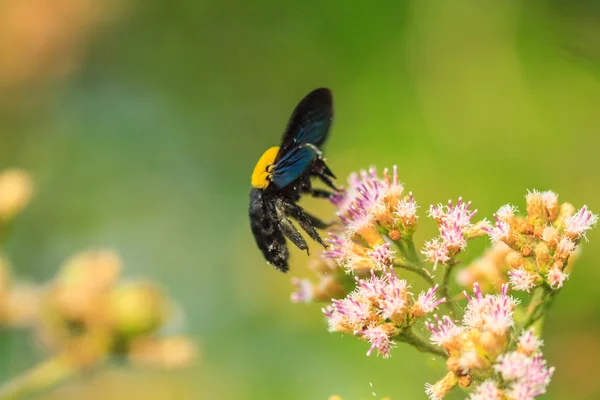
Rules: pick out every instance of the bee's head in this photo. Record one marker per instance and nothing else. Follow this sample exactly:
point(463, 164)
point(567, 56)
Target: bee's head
point(261, 177)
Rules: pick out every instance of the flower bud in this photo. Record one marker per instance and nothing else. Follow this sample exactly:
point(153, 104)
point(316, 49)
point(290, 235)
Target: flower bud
point(526, 251)
point(465, 381)
point(542, 255)
point(550, 236)
point(16, 188)
point(550, 200)
point(442, 387)
point(395, 235)
point(566, 210)
point(514, 259)
point(137, 309)
point(535, 208)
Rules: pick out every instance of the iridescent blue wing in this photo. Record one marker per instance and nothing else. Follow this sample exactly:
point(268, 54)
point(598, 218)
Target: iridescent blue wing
point(293, 164)
point(309, 123)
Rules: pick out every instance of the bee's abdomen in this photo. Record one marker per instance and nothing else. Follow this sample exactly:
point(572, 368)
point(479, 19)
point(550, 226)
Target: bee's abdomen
point(268, 236)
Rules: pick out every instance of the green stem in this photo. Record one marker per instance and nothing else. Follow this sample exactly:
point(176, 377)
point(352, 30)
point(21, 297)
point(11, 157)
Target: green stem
point(417, 270)
point(41, 377)
point(410, 337)
point(540, 303)
point(412, 262)
point(444, 291)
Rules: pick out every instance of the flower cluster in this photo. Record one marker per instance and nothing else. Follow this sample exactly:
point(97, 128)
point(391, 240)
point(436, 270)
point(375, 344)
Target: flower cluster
point(358, 276)
point(471, 346)
point(454, 224)
point(379, 309)
point(542, 241)
point(84, 315)
point(110, 317)
point(370, 206)
point(524, 373)
point(478, 346)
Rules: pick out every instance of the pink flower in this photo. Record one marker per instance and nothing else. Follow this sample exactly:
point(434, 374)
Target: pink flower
point(436, 251)
point(406, 212)
point(490, 312)
point(500, 232)
point(578, 224)
point(528, 377)
point(506, 213)
point(487, 390)
point(444, 332)
point(352, 311)
point(521, 279)
point(379, 338)
point(556, 277)
point(427, 302)
point(512, 365)
point(305, 291)
point(382, 256)
point(529, 343)
point(339, 248)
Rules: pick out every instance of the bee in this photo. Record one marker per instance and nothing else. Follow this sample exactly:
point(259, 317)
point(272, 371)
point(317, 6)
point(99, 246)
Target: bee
point(283, 174)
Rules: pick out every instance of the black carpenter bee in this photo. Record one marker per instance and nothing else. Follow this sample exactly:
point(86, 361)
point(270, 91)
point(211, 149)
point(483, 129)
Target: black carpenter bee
point(283, 174)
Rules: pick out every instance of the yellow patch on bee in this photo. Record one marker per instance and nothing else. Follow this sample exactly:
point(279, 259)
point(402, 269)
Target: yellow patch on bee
point(264, 166)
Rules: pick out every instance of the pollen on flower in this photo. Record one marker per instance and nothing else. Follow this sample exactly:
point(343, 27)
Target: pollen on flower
point(523, 280)
point(529, 343)
point(578, 224)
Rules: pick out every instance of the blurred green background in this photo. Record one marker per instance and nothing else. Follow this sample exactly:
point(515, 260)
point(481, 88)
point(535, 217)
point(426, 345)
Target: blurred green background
point(141, 122)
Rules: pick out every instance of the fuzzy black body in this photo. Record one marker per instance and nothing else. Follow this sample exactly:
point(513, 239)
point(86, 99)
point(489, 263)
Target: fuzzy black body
point(274, 204)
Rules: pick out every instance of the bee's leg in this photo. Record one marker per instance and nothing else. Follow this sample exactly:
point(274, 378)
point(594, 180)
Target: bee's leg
point(317, 222)
point(290, 231)
point(287, 228)
point(321, 193)
point(306, 222)
point(326, 180)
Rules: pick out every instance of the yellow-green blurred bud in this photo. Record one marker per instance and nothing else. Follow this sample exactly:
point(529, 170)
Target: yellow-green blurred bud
point(16, 188)
point(137, 309)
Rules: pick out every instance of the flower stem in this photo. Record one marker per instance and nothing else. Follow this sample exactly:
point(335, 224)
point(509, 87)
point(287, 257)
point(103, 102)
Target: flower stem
point(540, 302)
point(417, 270)
point(444, 288)
point(41, 377)
point(410, 337)
point(412, 262)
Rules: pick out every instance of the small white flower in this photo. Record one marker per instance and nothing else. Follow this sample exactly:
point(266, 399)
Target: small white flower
point(556, 277)
point(521, 279)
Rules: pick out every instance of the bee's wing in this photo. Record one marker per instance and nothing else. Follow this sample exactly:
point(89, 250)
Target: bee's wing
point(293, 164)
point(309, 123)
